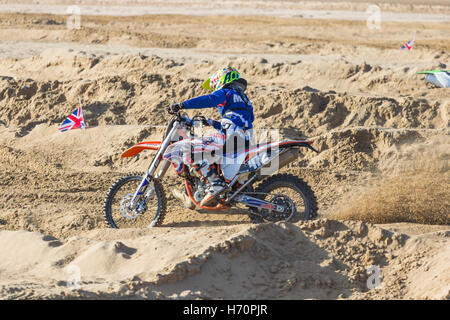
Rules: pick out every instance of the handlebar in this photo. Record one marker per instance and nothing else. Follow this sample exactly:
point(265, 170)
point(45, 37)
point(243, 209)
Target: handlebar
point(190, 122)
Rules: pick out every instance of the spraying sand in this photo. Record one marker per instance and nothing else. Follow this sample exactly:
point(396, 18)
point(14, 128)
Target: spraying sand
point(383, 133)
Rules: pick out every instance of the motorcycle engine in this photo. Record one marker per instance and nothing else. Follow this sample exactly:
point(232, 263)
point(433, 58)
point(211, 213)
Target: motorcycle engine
point(200, 190)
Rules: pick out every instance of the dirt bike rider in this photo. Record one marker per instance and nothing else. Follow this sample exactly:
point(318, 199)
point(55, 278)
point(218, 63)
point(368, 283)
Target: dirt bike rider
point(237, 117)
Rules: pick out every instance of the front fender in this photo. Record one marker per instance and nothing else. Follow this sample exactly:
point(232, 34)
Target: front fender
point(138, 148)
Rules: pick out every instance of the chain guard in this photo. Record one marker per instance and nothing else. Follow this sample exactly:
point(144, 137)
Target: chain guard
point(271, 215)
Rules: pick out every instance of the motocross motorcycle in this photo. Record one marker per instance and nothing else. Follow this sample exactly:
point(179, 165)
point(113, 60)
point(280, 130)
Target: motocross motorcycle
point(139, 199)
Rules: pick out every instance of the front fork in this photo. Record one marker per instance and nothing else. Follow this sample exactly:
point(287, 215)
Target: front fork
point(147, 179)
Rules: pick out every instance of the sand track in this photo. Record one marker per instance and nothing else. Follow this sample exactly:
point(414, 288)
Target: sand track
point(232, 262)
point(380, 129)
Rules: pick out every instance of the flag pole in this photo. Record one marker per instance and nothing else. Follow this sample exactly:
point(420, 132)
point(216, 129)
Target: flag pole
point(81, 108)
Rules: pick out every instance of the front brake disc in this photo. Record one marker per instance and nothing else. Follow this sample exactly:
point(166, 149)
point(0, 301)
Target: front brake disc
point(128, 210)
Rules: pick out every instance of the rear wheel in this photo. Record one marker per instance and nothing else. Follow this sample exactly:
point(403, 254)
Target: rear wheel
point(289, 191)
point(121, 213)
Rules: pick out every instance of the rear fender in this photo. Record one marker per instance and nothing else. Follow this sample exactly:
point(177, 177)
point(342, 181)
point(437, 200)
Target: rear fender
point(261, 157)
point(298, 143)
point(280, 145)
point(138, 148)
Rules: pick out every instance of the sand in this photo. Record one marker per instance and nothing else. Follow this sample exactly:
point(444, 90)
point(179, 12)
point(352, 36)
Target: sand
point(325, 259)
point(381, 178)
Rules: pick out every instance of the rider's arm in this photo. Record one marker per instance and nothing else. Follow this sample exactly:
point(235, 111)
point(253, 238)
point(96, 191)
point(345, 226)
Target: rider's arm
point(216, 124)
point(211, 100)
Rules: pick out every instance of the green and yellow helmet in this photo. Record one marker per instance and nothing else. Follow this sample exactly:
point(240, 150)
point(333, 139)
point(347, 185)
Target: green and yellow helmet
point(220, 78)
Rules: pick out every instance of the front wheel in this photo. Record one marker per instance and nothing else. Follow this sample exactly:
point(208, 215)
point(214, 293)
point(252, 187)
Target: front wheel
point(120, 212)
point(289, 191)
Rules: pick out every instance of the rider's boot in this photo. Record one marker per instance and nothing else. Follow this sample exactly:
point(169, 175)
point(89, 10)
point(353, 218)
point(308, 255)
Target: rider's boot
point(184, 198)
point(216, 185)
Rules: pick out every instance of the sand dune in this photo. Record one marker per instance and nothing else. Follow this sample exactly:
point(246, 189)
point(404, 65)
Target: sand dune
point(267, 261)
point(383, 133)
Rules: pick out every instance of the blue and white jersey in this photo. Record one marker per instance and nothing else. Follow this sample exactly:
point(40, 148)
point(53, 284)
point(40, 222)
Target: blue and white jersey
point(230, 105)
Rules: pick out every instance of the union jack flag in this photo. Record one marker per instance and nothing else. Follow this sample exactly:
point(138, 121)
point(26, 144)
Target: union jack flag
point(408, 46)
point(75, 120)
